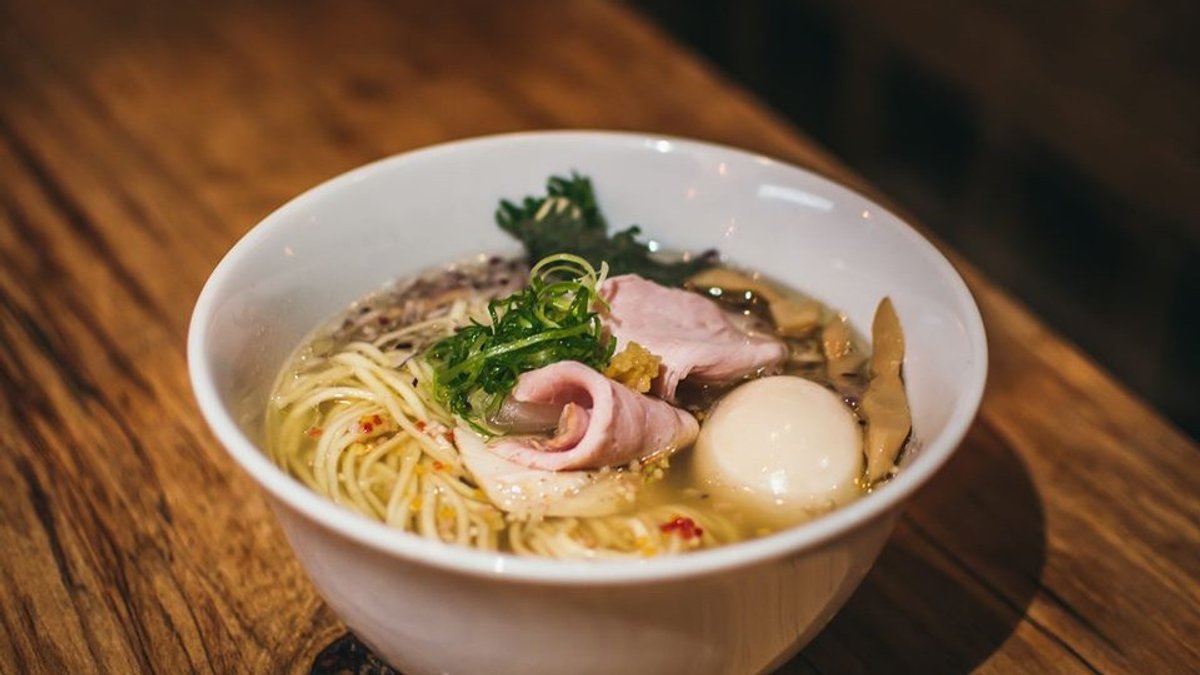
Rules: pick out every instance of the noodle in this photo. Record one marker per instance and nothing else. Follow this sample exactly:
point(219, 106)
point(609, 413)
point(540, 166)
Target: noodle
point(355, 426)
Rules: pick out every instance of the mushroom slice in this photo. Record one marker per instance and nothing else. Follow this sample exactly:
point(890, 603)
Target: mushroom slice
point(885, 404)
point(792, 316)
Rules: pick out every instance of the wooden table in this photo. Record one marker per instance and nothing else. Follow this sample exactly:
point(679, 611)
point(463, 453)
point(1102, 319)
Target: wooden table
point(138, 142)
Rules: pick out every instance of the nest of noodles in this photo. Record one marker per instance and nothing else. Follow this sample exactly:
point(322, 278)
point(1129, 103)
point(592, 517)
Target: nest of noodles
point(356, 424)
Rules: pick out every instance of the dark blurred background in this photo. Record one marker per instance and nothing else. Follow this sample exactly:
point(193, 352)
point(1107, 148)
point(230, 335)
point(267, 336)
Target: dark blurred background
point(1055, 144)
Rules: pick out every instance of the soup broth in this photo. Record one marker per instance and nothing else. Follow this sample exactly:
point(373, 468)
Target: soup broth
point(356, 416)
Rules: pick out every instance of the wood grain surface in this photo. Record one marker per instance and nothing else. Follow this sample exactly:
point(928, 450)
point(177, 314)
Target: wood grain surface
point(139, 141)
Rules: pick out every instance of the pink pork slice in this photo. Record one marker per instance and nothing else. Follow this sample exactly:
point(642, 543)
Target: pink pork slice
point(695, 338)
point(603, 423)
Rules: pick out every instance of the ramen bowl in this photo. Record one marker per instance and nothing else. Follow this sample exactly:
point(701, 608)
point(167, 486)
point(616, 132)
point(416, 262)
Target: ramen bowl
point(428, 607)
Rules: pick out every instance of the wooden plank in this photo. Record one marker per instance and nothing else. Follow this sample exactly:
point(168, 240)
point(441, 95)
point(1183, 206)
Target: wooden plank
point(1089, 79)
point(137, 143)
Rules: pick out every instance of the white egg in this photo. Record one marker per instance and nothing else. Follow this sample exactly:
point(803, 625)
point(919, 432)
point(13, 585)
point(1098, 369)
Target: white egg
point(777, 445)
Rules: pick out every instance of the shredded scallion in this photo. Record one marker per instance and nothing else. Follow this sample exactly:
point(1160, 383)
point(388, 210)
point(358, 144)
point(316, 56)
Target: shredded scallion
point(554, 319)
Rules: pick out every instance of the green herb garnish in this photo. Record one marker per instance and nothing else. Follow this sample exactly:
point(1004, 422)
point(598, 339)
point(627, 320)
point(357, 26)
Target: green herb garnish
point(567, 220)
point(552, 320)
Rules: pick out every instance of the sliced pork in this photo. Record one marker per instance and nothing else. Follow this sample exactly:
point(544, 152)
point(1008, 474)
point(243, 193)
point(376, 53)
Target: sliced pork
point(692, 335)
point(601, 423)
point(533, 493)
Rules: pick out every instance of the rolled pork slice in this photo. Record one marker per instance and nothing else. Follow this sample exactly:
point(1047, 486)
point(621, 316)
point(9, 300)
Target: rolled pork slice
point(602, 424)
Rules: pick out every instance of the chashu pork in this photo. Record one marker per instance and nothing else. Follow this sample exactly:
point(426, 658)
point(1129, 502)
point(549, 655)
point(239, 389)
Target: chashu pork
point(601, 423)
point(693, 336)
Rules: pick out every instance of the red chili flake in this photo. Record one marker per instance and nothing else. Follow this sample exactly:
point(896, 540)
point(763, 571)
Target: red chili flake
point(377, 419)
point(420, 425)
point(313, 432)
point(367, 427)
point(685, 527)
point(438, 466)
point(448, 436)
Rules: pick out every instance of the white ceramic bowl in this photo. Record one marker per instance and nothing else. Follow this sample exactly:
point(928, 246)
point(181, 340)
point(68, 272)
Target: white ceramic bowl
point(432, 608)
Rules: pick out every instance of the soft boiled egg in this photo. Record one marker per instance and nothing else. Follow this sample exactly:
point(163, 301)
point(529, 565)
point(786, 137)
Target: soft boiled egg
point(779, 444)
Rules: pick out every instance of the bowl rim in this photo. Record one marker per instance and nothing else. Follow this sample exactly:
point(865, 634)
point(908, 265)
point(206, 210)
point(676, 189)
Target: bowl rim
point(292, 494)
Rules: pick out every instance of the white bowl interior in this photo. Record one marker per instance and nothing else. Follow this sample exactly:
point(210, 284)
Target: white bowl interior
point(310, 259)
